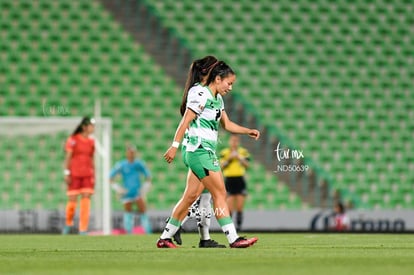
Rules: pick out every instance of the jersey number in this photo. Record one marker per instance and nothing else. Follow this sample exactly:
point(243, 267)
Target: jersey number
point(218, 114)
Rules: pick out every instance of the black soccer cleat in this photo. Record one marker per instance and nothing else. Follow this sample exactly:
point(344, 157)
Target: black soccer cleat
point(177, 236)
point(210, 244)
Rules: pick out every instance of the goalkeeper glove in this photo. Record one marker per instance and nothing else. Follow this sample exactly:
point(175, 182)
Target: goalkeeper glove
point(118, 189)
point(145, 188)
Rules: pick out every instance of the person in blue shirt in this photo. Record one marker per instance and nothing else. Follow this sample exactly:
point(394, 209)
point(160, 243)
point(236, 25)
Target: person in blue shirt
point(131, 191)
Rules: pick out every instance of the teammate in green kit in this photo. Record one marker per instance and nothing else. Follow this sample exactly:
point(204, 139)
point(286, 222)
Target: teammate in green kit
point(201, 206)
point(204, 112)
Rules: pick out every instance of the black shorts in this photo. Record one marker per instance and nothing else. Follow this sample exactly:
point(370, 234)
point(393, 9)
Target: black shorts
point(236, 186)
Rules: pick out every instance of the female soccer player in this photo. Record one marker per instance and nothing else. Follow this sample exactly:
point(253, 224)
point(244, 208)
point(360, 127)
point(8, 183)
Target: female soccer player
point(204, 112)
point(131, 169)
point(200, 207)
point(341, 219)
point(234, 161)
point(79, 174)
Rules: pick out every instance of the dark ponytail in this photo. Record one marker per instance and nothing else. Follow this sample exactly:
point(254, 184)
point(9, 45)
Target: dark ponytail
point(341, 207)
point(85, 122)
point(220, 69)
point(198, 70)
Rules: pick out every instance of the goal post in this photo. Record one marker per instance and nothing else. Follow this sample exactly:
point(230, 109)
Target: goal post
point(32, 150)
point(103, 133)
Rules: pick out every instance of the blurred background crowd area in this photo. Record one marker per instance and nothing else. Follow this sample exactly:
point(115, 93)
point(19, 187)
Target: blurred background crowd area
point(332, 79)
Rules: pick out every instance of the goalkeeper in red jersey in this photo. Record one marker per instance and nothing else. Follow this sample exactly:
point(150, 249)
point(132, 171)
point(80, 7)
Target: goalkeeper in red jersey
point(79, 174)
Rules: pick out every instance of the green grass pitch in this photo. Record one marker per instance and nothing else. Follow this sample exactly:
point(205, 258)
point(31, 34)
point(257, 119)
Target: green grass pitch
point(274, 254)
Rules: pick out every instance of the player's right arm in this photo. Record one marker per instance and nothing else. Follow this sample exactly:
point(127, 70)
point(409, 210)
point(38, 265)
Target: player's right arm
point(69, 147)
point(68, 157)
point(115, 171)
point(195, 104)
point(189, 116)
point(114, 185)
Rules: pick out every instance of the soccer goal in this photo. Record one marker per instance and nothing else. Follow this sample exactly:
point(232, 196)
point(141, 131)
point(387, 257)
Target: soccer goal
point(32, 180)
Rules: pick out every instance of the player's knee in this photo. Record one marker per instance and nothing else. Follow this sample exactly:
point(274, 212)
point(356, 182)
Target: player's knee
point(142, 209)
point(85, 195)
point(190, 199)
point(73, 198)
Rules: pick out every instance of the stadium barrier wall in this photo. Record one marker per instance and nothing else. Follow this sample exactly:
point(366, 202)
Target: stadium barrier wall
point(312, 220)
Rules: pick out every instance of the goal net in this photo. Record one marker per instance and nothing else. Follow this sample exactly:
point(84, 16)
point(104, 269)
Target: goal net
point(32, 187)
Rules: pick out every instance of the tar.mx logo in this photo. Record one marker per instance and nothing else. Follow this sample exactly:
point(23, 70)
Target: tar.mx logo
point(54, 109)
point(286, 154)
point(282, 153)
point(208, 212)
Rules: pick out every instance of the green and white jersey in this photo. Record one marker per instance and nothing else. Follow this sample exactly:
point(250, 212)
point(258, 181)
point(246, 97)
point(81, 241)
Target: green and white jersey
point(204, 129)
point(185, 140)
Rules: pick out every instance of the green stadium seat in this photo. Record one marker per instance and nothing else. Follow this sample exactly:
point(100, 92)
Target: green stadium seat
point(326, 76)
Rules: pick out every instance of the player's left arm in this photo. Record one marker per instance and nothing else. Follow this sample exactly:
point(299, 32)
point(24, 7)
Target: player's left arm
point(145, 188)
point(244, 158)
point(235, 128)
point(145, 171)
point(92, 154)
point(224, 158)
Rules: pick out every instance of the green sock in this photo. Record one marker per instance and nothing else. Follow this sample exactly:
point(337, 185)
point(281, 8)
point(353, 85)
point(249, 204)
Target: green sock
point(171, 228)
